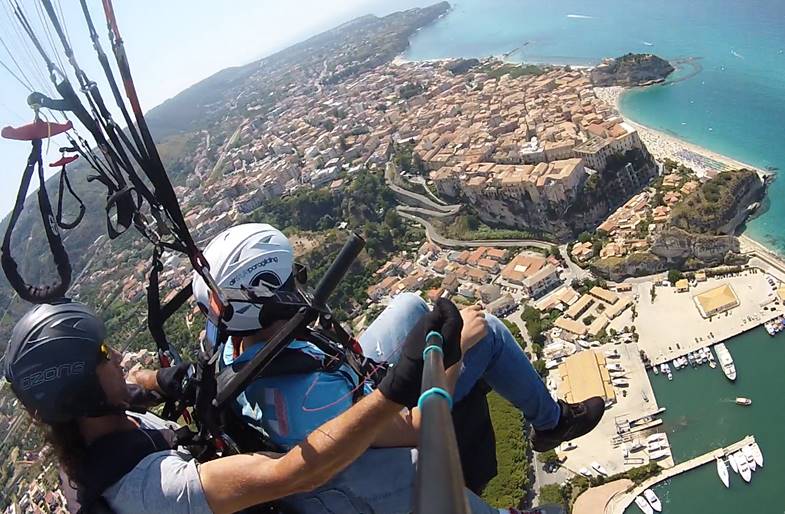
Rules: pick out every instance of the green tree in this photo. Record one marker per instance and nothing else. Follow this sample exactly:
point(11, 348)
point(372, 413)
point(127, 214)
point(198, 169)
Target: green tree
point(554, 251)
point(540, 368)
point(511, 482)
point(516, 332)
point(641, 473)
point(674, 275)
point(537, 349)
point(549, 457)
point(551, 494)
point(584, 237)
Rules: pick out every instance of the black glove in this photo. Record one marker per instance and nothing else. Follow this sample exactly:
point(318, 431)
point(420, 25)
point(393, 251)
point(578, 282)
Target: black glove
point(171, 380)
point(403, 380)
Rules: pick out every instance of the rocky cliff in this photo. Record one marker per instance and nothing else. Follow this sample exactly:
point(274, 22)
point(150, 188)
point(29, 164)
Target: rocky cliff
point(677, 246)
point(672, 248)
point(631, 70)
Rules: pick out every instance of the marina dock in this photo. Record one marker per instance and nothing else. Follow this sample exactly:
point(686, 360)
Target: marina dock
point(620, 502)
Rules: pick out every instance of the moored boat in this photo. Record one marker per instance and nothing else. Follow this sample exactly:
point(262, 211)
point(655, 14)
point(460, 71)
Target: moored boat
point(726, 361)
point(741, 464)
point(653, 500)
point(659, 454)
point(757, 454)
point(722, 471)
point(747, 452)
point(642, 504)
point(732, 463)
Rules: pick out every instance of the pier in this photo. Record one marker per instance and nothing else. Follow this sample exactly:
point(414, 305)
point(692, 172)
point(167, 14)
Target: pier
point(621, 501)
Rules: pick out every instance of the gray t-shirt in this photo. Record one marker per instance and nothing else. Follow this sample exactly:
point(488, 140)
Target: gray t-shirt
point(165, 481)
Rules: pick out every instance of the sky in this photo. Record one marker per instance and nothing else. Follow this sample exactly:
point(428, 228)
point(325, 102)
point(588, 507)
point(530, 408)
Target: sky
point(171, 45)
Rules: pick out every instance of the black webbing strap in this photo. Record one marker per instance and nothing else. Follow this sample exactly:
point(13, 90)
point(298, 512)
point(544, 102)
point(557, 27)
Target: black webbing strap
point(43, 293)
point(66, 183)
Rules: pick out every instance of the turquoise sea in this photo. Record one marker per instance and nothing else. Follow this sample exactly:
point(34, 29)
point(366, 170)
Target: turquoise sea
point(734, 106)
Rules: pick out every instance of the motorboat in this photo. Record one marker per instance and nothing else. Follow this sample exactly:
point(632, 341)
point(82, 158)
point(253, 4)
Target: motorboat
point(612, 354)
point(642, 504)
point(743, 401)
point(747, 452)
point(596, 466)
point(712, 362)
point(744, 468)
point(726, 361)
point(585, 472)
point(660, 454)
point(636, 446)
point(656, 370)
point(670, 375)
point(653, 500)
point(757, 454)
point(722, 471)
point(664, 368)
point(732, 463)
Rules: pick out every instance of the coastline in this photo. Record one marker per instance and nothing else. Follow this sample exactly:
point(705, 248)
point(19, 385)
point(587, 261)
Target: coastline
point(667, 146)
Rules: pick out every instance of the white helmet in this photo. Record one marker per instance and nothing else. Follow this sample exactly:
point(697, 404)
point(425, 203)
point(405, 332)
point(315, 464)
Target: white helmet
point(245, 256)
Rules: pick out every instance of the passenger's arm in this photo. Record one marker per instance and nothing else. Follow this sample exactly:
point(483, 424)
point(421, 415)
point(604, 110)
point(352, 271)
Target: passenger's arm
point(241, 481)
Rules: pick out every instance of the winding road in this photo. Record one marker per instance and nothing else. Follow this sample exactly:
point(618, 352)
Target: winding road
point(440, 240)
point(426, 207)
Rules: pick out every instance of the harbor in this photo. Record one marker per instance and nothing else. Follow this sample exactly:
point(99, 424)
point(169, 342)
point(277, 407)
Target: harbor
point(752, 301)
point(619, 503)
point(702, 417)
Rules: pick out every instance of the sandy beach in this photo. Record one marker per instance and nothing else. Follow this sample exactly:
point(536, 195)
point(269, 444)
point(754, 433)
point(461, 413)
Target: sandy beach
point(665, 146)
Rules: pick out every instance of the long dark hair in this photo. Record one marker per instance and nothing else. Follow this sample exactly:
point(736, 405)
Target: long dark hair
point(69, 447)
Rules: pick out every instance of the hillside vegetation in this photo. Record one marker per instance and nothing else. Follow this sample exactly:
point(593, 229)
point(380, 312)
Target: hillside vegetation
point(716, 203)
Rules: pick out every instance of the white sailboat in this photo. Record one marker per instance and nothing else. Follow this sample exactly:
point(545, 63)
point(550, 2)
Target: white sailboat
point(653, 500)
point(747, 452)
point(722, 471)
point(757, 454)
point(726, 361)
point(642, 504)
point(744, 469)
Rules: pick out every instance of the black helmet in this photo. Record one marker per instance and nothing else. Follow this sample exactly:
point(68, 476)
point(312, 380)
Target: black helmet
point(51, 360)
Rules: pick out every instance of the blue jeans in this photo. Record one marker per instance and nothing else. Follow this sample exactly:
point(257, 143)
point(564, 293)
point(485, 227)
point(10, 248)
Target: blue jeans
point(381, 481)
point(497, 358)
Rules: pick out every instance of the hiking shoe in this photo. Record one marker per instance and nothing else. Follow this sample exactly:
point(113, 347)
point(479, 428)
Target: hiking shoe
point(576, 419)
